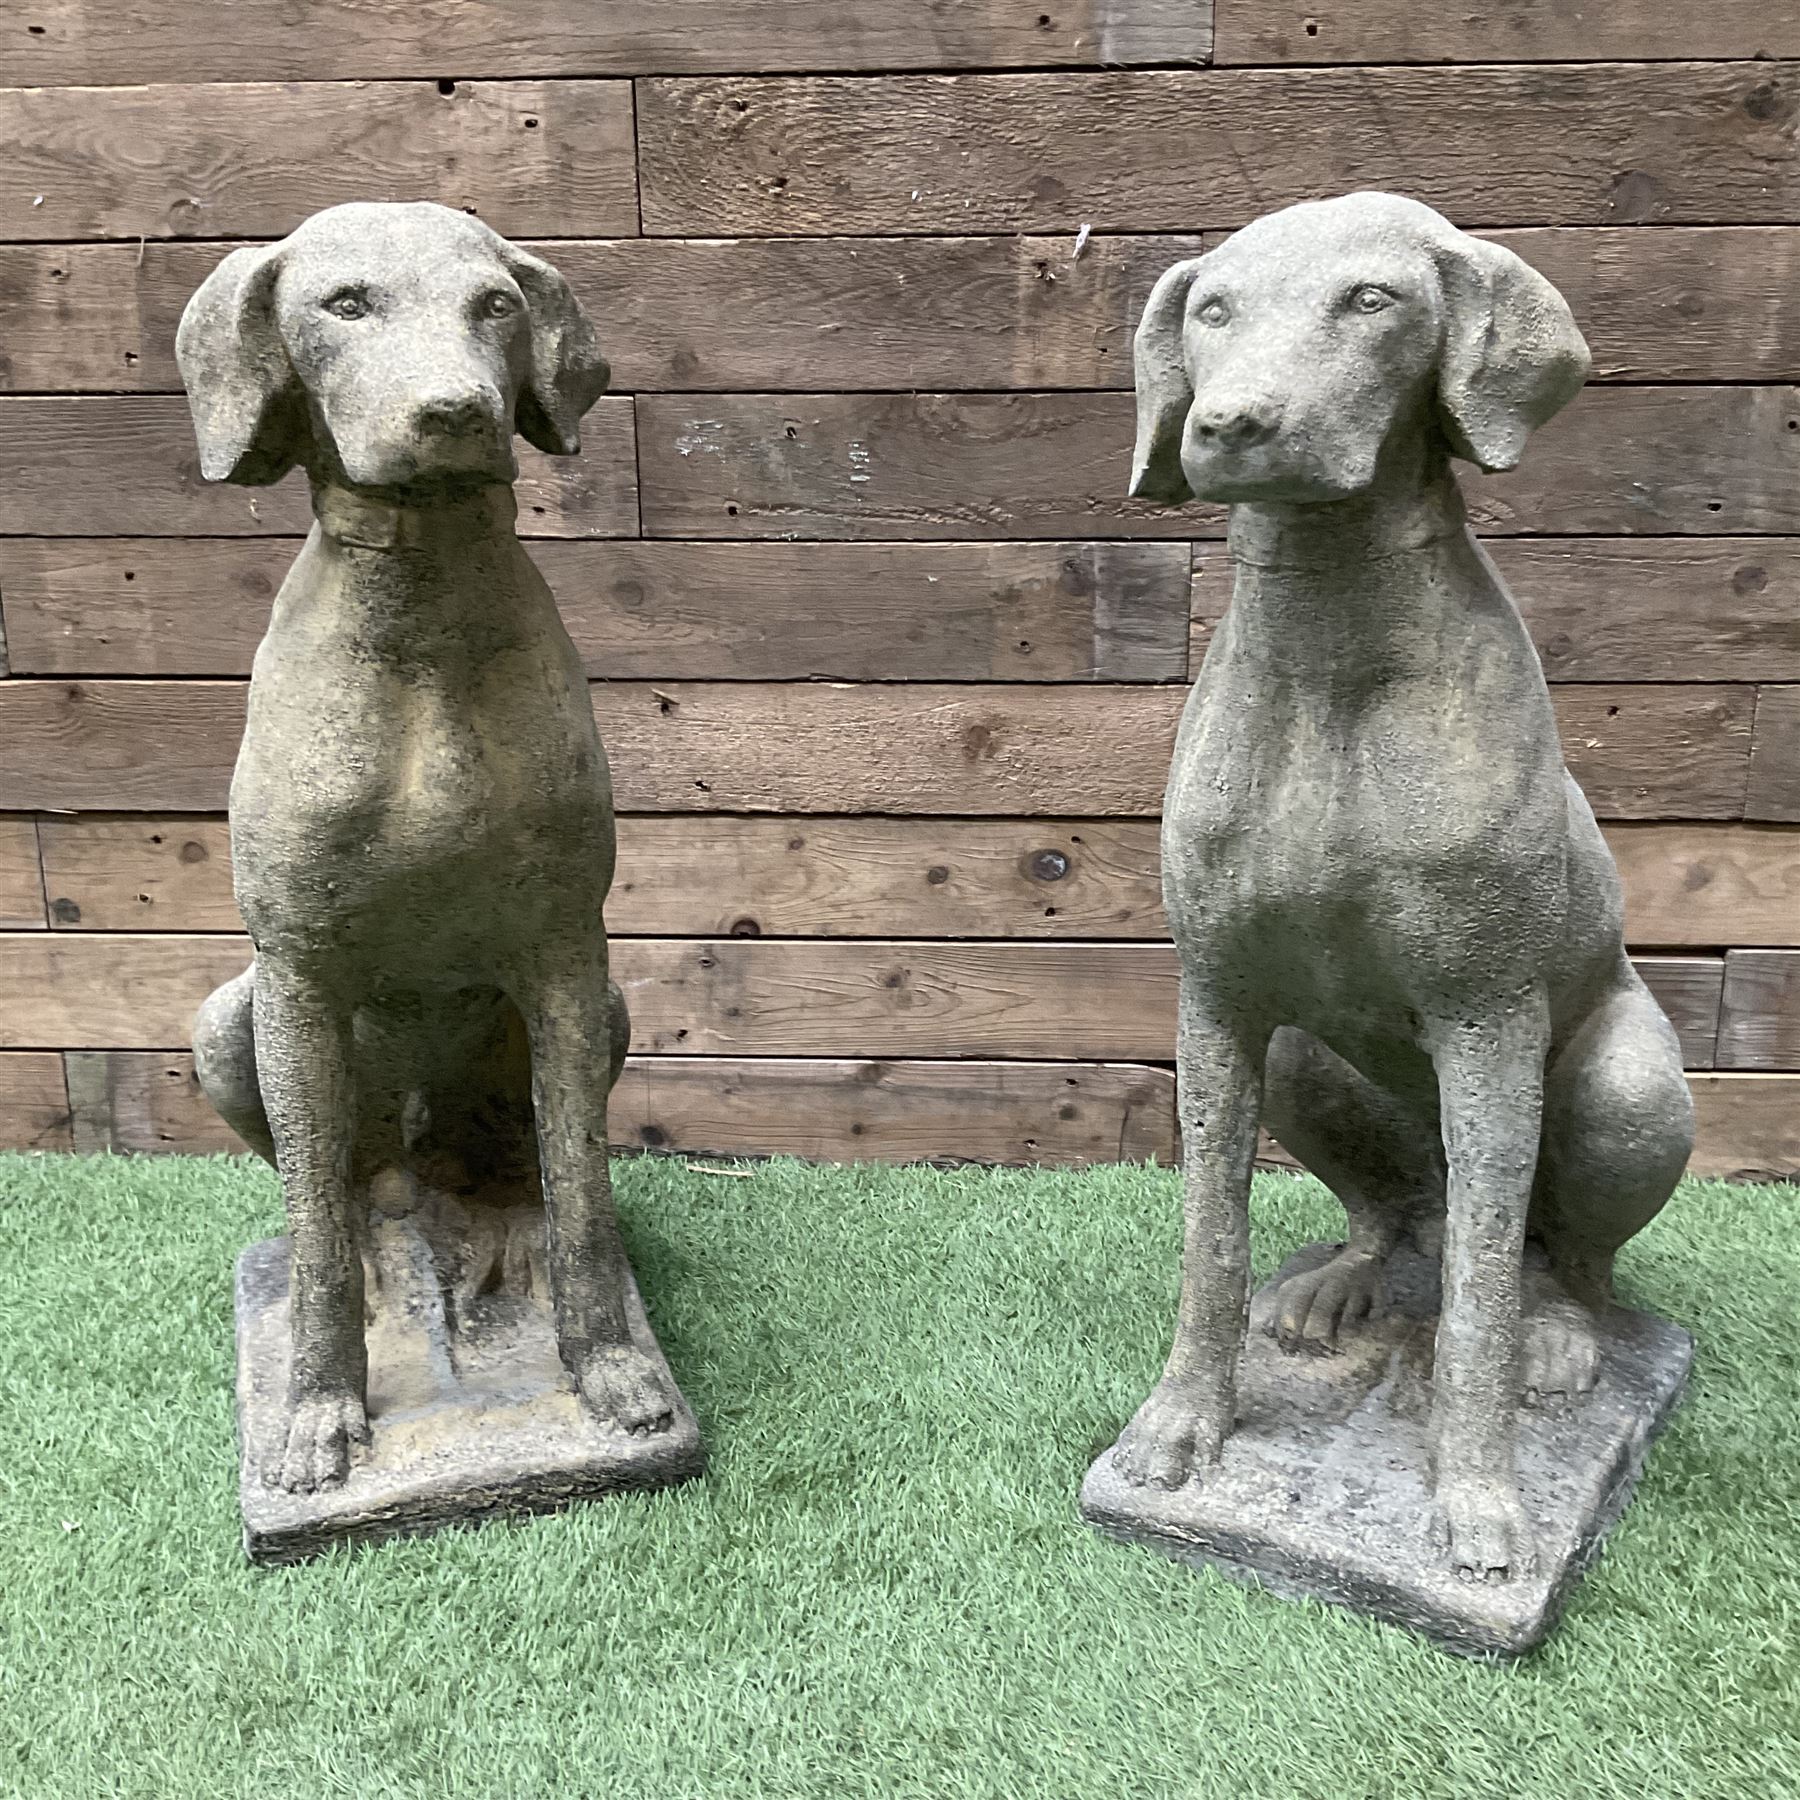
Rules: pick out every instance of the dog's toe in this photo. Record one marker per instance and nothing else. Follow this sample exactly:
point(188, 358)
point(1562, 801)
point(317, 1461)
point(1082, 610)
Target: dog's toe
point(1312, 1307)
point(325, 1437)
point(627, 1388)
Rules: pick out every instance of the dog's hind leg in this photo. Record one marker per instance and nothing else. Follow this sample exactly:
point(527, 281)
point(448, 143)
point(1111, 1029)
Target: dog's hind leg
point(225, 1061)
point(1618, 1130)
point(1382, 1159)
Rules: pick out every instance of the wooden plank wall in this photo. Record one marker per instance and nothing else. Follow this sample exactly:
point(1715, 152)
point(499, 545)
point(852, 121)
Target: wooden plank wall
point(888, 667)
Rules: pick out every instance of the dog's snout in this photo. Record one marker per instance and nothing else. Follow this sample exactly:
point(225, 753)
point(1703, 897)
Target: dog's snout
point(1235, 424)
point(455, 415)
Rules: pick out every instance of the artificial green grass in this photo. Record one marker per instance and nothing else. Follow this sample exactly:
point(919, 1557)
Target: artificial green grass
point(882, 1588)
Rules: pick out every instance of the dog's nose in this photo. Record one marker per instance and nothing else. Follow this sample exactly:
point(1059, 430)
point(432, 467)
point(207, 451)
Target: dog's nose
point(1235, 424)
point(454, 415)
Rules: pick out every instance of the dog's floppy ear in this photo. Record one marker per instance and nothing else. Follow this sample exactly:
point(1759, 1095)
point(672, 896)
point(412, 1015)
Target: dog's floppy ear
point(568, 373)
point(1513, 355)
point(249, 413)
point(1164, 393)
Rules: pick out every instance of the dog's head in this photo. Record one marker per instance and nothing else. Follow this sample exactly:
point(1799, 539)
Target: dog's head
point(385, 346)
point(1280, 366)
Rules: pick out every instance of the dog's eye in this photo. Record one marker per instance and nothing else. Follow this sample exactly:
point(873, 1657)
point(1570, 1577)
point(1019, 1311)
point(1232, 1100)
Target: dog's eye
point(1214, 312)
point(1371, 299)
point(348, 303)
point(498, 305)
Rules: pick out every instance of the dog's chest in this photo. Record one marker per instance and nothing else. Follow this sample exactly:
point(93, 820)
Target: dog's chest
point(1380, 822)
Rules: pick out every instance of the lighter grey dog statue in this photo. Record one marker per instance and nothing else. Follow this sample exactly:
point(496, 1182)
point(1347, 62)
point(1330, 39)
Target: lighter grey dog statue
point(422, 837)
point(1400, 930)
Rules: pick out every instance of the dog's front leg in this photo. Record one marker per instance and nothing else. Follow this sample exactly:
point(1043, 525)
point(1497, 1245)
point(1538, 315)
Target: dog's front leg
point(1183, 1425)
point(569, 1015)
point(1491, 1090)
point(303, 1060)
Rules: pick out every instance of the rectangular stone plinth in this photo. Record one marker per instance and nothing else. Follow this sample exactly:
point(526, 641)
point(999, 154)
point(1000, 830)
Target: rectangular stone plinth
point(467, 1425)
point(1323, 1490)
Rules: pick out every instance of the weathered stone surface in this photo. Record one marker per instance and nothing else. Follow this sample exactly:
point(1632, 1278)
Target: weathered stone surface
point(470, 1417)
point(1400, 930)
point(1324, 1487)
point(422, 843)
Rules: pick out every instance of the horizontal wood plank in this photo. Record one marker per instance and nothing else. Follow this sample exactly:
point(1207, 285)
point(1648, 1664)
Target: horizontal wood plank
point(1774, 783)
point(702, 314)
point(1703, 304)
point(1687, 989)
point(129, 465)
point(34, 1103)
point(1747, 1126)
point(718, 611)
point(1018, 751)
point(1593, 144)
point(1705, 886)
point(1717, 461)
point(21, 885)
point(1759, 1015)
point(1686, 886)
point(1599, 609)
point(253, 159)
point(1402, 31)
point(742, 996)
point(850, 1110)
point(739, 877)
point(71, 41)
point(1669, 303)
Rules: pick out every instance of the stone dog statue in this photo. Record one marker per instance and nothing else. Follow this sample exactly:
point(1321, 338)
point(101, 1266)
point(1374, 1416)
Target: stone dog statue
point(1399, 927)
point(421, 814)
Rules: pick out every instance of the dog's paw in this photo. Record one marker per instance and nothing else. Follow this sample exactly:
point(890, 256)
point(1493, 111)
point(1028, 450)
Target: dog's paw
point(628, 1389)
point(1171, 1437)
point(1561, 1354)
point(1311, 1307)
point(1483, 1532)
point(325, 1436)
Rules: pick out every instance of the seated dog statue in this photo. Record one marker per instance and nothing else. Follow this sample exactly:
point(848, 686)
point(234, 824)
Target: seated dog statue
point(1400, 930)
point(421, 815)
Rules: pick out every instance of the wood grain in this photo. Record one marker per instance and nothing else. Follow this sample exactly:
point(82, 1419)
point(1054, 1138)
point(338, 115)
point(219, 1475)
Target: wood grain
point(1703, 886)
point(721, 611)
point(1599, 609)
point(743, 996)
point(1401, 31)
point(1687, 989)
point(1759, 1014)
point(1746, 1127)
point(1674, 303)
point(157, 40)
point(253, 159)
point(1703, 304)
point(69, 467)
point(905, 748)
point(67, 991)
point(21, 886)
point(1623, 143)
point(1774, 782)
point(1686, 886)
point(849, 1110)
point(686, 314)
point(144, 1102)
point(1715, 461)
point(34, 1104)
point(738, 877)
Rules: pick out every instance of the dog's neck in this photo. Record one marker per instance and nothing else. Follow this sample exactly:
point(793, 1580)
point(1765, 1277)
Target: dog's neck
point(362, 521)
point(1408, 508)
